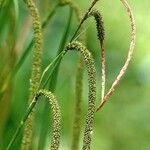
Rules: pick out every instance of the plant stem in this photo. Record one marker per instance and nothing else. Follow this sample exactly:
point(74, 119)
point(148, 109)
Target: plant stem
point(29, 110)
point(52, 81)
point(36, 70)
point(89, 62)
point(56, 117)
point(83, 19)
point(129, 56)
point(27, 50)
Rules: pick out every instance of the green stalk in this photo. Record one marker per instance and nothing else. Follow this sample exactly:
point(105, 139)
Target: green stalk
point(83, 19)
point(28, 49)
point(52, 81)
point(49, 67)
point(29, 110)
point(61, 47)
point(33, 103)
point(56, 117)
point(89, 62)
point(49, 78)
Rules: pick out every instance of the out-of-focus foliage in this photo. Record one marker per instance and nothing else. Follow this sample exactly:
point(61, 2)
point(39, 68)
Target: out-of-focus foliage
point(123, 123)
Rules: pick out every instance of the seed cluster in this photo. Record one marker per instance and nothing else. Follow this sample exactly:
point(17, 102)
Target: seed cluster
point(36, 66)
point(36, 69)
point(56, 117)
point(99, 24)
point(89, 62)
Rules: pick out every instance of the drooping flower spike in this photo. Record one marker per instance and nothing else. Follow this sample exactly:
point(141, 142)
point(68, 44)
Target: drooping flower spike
point(101, 36)
point(129, 57)
point(36, 69)
point(89, 62)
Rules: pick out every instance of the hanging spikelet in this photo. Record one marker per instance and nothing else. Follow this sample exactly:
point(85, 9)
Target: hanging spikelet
point(101, 36)
point(55, 141)
point(36, 68)
point(129, 57)
point(89, 62)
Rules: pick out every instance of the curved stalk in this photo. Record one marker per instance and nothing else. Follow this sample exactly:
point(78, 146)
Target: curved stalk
point(129, 56)
point(84, 18)
point(56, 117)
point(89, 62)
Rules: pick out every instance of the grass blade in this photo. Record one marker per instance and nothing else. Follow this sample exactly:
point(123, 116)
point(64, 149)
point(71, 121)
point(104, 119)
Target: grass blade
point(52, 81)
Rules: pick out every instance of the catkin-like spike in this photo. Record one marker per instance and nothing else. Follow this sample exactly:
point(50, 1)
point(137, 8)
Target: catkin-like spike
point(84, 18)
point(89, 62)
point(79, 83)
point(99, 24)
point(56, 117)
point(36, 68)
point(129, 57)
point(101, 37)
point(55, 142)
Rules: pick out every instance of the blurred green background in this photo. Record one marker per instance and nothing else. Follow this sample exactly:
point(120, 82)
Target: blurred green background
point(123, 123)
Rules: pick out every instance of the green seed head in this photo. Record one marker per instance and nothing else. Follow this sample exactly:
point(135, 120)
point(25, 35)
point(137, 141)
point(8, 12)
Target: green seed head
point(99, 24)
point(36, 69)
point(55, 142)
point(89, 62)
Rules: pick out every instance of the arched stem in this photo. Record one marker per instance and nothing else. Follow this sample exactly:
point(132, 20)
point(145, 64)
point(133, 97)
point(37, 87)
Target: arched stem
point(89, 62)
point(129, 56)
point(56, 117)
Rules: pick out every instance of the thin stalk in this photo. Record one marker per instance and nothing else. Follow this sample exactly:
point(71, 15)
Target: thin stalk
point(27, 50)
point(129, 56)
point(51, 64)
point(101, 37)
point(60, 54)
point(56, 117)
point(52, 81)
point(103, 68)
point(49, 78)
point(61, 48)
point(83, 19)
point(50, 15)
point(29, 110)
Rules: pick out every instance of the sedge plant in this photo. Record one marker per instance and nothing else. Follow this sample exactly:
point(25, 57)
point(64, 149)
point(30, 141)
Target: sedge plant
point(43, 82)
